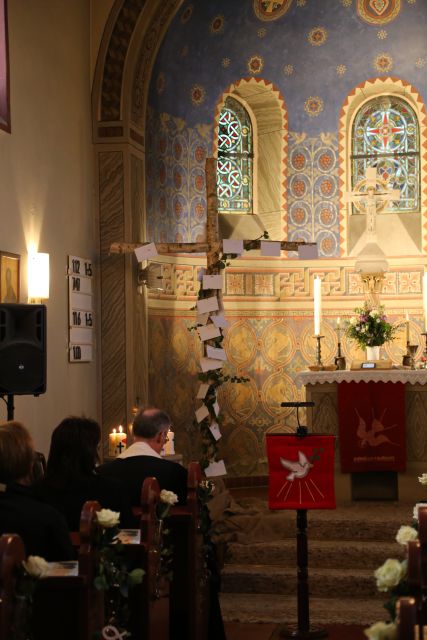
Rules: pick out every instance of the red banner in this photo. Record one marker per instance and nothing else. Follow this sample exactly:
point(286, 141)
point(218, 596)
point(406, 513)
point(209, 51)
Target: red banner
point(371, 418)
point(301, 471)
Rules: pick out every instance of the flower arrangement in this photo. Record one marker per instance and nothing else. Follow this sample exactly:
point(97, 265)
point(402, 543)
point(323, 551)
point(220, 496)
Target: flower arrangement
point(369, 328)
point(167, 500)
point(113, 575)
point(31, 571)
point(391, 578)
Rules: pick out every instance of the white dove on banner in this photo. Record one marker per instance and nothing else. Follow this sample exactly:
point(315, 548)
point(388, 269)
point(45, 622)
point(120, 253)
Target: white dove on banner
point(298, 469)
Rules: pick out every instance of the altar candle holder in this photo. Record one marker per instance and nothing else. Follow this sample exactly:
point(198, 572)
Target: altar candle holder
point(424, 364)
point(319, 362)
point(339, 359)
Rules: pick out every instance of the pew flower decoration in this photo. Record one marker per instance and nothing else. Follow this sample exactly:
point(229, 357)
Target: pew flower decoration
point(167, 499)
point(114, 575)
point(382, 631)
point(369, 327)
point(32, 570)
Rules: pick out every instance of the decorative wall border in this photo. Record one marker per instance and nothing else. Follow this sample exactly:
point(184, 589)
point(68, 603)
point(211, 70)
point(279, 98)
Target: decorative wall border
point(244, 90)
point(365, 91)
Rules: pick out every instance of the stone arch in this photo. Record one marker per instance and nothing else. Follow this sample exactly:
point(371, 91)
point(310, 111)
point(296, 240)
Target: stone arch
point(356, 98)
point(267, 107)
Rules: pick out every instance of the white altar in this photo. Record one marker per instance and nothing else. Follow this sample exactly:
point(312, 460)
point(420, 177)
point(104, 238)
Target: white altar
point(321, 388)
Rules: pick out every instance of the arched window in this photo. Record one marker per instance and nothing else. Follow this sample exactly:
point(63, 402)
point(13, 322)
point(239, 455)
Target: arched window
point(385, 135)
point(235, 159)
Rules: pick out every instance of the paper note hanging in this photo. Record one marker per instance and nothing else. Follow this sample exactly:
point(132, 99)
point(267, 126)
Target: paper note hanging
point(308, 252)
point(232, 246)
point(216, 352)
point(146, 252)
point(215, 469)
point(220, 321)
point(202, 318)
point(213, 282)
point(203, 389)
point(207, 304)
point(270, 248)
point(200, 274)
point(202, 413)
point(209, 364)
point(214, 429)
point(209, 332)
point(216, 407)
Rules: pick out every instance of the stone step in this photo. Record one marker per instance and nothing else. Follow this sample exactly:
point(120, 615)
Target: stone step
point(323, 582)
point(280, 609)
point(326, 525)
point(321, 553)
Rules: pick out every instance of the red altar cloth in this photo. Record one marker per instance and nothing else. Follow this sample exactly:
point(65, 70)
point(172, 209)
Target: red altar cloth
point(371, 417)
point(301, 471)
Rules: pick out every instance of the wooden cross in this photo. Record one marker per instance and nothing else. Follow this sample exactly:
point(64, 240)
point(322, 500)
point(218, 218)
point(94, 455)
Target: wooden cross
point(372, 200)
point(213, 246)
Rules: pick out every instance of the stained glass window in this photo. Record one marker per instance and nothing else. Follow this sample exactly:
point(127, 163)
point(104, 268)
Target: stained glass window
point(386, 136)
point(235, 159)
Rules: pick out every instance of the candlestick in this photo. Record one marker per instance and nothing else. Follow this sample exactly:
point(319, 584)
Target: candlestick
point(317, 295)
point(318, 352)
point(424, 364)
point(407, 328)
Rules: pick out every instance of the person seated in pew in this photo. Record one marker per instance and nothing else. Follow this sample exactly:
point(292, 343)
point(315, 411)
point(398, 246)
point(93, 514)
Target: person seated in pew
point(42, 528)
point(142, 459)
point(71, 477)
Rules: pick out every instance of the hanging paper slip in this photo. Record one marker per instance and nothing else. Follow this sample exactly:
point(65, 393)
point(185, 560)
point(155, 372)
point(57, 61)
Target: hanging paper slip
point(232, 246)
point(208, 364)
point(202, 318)
point(146, 251)
point(220, 321)
point(202, 413)
point(216, 407)
point(203, 389)
point(209, 332)
point(215, 469)
point(213, 282)
point(207, 304)
point(308, 252)
point(216, 352)
point(270, 248)
point(214, 429)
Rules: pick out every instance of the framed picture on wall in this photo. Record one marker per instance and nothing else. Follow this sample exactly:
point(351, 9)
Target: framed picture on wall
point(9, 277)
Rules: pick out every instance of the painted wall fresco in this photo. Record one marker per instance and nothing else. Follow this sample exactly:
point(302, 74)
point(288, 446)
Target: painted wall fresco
point(312, 52)
point(269, 348)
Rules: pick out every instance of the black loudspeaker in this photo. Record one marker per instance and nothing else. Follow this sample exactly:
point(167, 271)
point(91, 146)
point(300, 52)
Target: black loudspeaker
point(22, 349)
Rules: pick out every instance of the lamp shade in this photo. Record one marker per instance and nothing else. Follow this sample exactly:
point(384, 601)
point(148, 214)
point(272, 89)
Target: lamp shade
point(38, 276)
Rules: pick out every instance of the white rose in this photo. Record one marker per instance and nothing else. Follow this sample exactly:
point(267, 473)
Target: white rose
point(373, 314)
point(390, 574)
point(406, 534)
point(36, 566)
point(382, 631)
point(108, 518)
point(353, 320)
point(168, 497)
point(423, 479)
point(417, 506)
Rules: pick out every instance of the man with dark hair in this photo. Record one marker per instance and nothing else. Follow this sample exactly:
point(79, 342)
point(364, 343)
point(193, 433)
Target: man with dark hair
point(142, 459)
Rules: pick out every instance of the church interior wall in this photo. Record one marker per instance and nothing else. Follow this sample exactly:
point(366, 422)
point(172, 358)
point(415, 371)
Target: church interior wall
point(46, 185)
point(316, 54)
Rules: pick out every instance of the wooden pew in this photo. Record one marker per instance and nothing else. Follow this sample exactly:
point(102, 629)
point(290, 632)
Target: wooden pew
point(190, 584)
point(69, 607)
point(12, 553)
point(149, 601)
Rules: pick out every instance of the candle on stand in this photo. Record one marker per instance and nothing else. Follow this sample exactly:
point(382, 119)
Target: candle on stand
point(317, 293)
point(407, 328)
point(112, 444)
point(121, 440)
point(425, 300)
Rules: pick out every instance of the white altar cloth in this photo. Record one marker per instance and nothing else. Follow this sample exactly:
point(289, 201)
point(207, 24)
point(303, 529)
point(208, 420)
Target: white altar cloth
point(417, 376)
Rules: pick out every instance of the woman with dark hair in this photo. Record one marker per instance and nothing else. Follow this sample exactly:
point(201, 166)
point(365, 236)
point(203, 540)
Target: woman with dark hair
point(71, 476)
point(42, 529)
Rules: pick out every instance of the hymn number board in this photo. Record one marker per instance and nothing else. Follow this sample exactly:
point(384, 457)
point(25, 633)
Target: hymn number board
point(81, 316)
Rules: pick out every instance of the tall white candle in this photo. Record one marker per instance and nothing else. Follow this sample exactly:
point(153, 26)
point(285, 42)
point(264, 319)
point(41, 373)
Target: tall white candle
point(317, 292)
point(407, 327)
point(425, 300)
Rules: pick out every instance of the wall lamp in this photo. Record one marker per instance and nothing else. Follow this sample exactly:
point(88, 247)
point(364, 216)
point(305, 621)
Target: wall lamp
point(38, 277)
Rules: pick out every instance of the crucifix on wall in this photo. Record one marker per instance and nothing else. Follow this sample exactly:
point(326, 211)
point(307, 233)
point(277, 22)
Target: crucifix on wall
point(210, 328)
point(370, 197)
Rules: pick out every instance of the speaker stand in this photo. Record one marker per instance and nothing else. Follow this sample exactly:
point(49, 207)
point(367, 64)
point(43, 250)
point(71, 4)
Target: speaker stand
point(9, 405)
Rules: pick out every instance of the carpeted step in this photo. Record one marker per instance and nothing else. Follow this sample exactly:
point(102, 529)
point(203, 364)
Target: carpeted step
point(322, 553)
point(281, 609)
point(323, 582)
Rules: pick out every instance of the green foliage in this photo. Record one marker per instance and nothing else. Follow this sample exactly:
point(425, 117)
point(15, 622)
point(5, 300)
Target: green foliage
point(369, 328)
